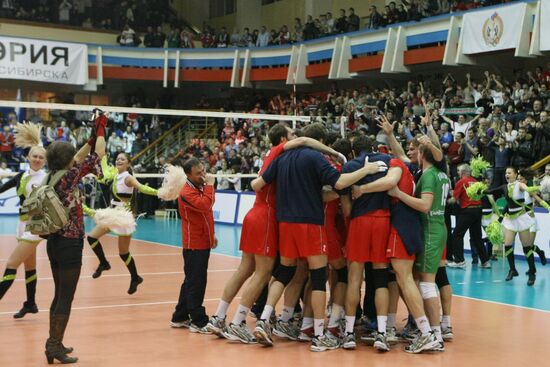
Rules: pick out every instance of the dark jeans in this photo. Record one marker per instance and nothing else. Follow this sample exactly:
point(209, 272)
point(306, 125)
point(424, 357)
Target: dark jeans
point(65, 256)
point(195, 267)
point(468, 219)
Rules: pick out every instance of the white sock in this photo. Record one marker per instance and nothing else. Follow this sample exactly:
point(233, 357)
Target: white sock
point(391, 320)
point(382, 321)
point(350, 324)
point(446, 321)
point(319, 326)
point(240, 315)
point(335, 315)
point(307, 322)
point(222, 309)
point(423, 325)
point(437, 332)
point(288, 312)
point(266, 313)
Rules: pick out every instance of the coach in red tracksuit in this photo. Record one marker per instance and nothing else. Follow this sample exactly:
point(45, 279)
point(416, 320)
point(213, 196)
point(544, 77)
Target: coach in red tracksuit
point(197, 223)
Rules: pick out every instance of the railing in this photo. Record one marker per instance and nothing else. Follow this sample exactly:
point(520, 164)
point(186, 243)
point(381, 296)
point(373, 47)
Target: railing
point(542, 162)
point(159, 145)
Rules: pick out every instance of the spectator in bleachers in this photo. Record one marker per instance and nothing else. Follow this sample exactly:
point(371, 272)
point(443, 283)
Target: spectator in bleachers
point(7, 142)
point(263, 38)
point(375, 18)
point(148, 39)
point(174, 38)
point(341, 25)
point(159, 37)
point(222, 38)
point(207, 39)
point(187, 39)
point(65, 11)
point(353, 21)
point(127, 37)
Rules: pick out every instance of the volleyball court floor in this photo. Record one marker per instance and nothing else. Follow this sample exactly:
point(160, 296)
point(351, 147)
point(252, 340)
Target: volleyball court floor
point(495, 322)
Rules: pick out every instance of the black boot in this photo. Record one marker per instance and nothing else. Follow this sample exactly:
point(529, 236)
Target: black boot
point(66, 350)
point(134, 284)
point(509, 253)
point(532, 278)
point(97, 248)
point(511, 274)
point(54, 347)
point(100, 269)
point(27, 308)
point(541, 254)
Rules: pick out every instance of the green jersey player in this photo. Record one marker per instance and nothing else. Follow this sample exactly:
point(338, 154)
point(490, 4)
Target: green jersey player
point(431, 194)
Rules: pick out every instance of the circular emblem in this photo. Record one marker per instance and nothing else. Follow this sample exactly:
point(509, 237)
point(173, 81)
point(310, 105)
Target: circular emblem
point(493, 29)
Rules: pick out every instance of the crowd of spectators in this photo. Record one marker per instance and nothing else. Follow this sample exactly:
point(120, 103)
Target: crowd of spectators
point(99, 14)
point(327, 24)
point(504, 121)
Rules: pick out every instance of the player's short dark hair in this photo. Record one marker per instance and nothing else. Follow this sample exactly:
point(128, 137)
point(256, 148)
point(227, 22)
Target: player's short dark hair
point(362, 144)
point(342, 146)
point(427, 153)
point(315, 131)
point(277, 132)
point(331, 138)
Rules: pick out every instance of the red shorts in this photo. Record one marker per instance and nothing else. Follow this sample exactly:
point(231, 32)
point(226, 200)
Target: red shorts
point(259, 235)
point(334, 243)
point(368, 239)
point(300, 240)
point(396, 248)
point(444, 255)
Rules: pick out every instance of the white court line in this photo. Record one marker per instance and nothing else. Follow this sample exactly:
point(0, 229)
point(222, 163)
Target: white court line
point(109, 256)
point(128, 274)
point(120, 305)
point(502, 304)
point(165, 245)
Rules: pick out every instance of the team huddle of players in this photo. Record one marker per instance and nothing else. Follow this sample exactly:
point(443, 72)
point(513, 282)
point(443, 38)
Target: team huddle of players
point(313, 209)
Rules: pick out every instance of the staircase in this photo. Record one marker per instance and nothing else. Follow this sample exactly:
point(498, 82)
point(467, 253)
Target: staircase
point(178, 137)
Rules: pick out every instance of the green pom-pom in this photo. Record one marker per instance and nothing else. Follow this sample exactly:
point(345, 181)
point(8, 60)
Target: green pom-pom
point(479, 166)
point(495, 233)
point(476, 190)
point(108, 172)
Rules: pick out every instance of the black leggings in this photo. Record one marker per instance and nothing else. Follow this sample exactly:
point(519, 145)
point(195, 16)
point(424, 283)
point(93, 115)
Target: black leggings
point(65, 256)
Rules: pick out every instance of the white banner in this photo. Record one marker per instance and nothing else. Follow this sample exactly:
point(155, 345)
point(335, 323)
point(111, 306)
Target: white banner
point(225, 207)
point(492, 29)
point(246, 202)
point(544, 25)
point(43, 61)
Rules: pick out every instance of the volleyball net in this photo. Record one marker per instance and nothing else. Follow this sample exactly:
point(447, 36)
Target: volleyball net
point(70, 121)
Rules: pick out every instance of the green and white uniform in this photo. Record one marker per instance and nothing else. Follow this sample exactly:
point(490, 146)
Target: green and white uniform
point(436, 182)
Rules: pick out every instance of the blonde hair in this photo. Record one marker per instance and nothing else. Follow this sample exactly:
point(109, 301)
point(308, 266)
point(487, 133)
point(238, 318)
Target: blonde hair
point(27, 135)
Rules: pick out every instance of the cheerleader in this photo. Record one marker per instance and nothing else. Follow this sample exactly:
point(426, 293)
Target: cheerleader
point(122, 189)
point(516, 221)
point(27, 136)
point(524, 176)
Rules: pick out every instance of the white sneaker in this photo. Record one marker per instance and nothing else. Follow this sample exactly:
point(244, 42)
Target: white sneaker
point(460, 265)
point(199, 330)
point(451, 264)
point(486, 265)
point(447, 334)
point(216, 325)
point(391, 335)
point(180, 324)
point(349, 341)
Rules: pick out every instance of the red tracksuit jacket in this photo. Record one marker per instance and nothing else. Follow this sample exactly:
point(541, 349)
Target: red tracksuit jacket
point(197, 220)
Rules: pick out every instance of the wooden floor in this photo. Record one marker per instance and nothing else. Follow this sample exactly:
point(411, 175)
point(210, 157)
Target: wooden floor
point(108, 327)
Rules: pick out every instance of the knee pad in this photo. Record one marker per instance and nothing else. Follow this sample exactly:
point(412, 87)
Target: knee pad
point(441, 277)
point(342, 275)
point(391, 277)
point(318, 278)
point(380, 278)
point(428, 290)
point(284, 274)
